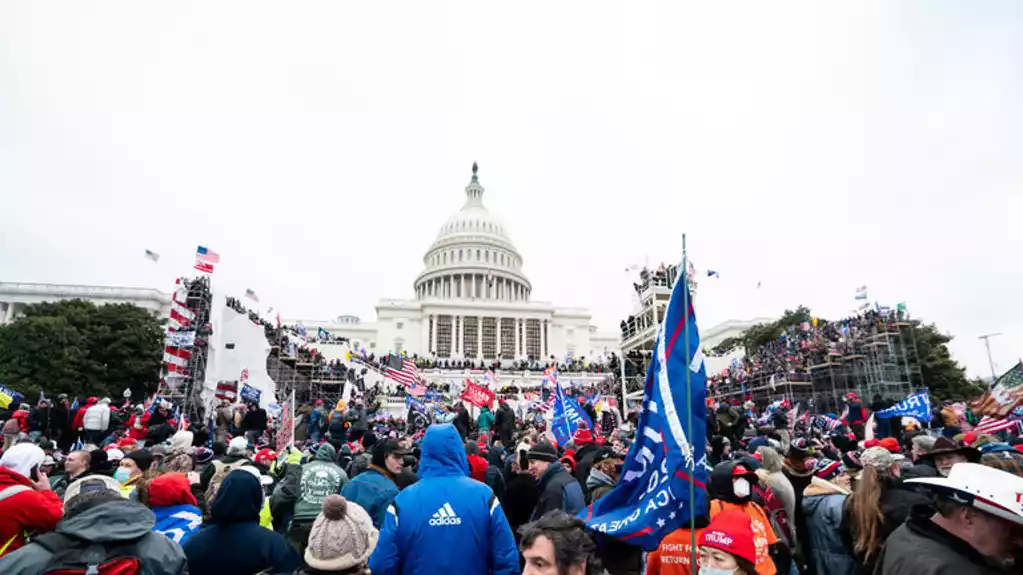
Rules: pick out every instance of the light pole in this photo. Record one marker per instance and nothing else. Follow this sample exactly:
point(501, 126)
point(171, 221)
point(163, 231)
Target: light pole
point(987, 345)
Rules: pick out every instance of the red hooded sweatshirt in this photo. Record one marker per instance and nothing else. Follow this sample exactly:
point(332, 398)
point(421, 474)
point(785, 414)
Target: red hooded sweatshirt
point(478, 468)
point(28, 510)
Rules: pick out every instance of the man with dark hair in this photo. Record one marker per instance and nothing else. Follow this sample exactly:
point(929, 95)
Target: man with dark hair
point(557, 544)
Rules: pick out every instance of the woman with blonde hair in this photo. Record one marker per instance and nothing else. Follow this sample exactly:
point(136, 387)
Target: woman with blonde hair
point(878, 505)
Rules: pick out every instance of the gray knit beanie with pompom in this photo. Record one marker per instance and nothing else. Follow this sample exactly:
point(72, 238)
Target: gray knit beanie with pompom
point(342, 537)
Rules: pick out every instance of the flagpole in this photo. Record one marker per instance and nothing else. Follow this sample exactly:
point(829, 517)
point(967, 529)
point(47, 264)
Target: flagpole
point(689, 400)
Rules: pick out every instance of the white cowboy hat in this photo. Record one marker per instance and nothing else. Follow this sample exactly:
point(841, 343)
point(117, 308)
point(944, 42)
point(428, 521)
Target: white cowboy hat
point(988, 489)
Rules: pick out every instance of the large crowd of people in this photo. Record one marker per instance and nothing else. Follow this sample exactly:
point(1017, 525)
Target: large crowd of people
point(109, 487)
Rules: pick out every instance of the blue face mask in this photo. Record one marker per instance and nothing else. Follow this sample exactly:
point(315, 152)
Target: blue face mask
point(122, 474)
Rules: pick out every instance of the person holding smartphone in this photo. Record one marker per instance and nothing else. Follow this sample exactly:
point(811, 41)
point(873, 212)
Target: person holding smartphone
point(27, 504)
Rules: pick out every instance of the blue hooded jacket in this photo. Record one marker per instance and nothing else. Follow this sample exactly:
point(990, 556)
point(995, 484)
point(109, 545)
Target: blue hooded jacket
point(446, 522)
point(234, 543)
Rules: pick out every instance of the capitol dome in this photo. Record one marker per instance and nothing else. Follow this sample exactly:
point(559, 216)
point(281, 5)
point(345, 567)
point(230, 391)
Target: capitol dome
point(473, 256)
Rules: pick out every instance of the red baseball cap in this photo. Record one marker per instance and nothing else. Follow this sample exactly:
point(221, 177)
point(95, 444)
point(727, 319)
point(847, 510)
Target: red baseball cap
point(871, 443)
point(265, 456)
point(741, 470)
point(731, 531)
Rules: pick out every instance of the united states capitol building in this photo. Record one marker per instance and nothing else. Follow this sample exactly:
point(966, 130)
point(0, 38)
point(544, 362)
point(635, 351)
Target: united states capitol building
point(472, 301)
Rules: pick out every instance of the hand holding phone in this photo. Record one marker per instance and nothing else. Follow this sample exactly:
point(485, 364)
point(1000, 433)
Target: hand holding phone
point(39, 480)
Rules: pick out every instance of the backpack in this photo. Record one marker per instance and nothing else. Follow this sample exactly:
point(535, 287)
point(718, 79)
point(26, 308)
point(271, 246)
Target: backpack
point(74, 556)
point(221, 473)
point(776, 514)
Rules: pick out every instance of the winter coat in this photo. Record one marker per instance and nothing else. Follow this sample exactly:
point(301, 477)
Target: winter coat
point(897, 504)
point(255, 420)
point(234, 543)
point(921, 547)
point(97, 417)
point(210, 470)
point(106, 523)
point(830, 553)
point(584, 461)
point(373, 490)
point(22, 417)
point(138, 426)
point(462, 421)
point(315, 420)
point(598, 484)
point(504, 423)
point(25, 509)
point(337, 428)
point(782, 489)
point(428, 527)
point(558, 490)
point(485, 420)
point(78, 422)
point(320, 477)
point(520, 497)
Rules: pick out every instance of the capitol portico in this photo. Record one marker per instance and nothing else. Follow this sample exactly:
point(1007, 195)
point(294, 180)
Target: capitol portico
point(473, 301)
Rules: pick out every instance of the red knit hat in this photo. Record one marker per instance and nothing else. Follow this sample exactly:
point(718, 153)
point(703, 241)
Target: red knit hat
point(170, 489)
point(732, 532)
point(583, 435)
point(891, 444)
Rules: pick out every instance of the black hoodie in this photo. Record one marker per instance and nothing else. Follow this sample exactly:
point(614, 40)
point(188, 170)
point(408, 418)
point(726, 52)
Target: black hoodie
point(234, 543)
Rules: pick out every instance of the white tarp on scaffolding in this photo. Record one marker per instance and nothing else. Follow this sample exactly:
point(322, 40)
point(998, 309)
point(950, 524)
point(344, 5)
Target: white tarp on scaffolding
point(237, 352)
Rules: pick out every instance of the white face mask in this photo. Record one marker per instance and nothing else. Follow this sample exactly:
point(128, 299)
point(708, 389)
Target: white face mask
point(741, 488)
point(709, 571)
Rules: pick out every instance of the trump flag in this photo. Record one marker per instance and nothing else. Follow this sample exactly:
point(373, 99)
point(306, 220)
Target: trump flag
point(652, 497)
point(567, 415)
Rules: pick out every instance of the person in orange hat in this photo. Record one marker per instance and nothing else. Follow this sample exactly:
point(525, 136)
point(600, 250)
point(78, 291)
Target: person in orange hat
point(727, 547)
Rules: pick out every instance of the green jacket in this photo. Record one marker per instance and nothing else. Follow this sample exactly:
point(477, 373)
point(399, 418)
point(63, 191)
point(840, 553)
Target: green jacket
point(320, 477)
point(486, 420)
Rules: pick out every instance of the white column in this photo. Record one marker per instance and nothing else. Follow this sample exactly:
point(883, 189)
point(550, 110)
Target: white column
point(479, 337)
point(543, 339)
point(499, 337)
point(518, 347)
point(461, 288)
point(461, 333)
point(433, 338)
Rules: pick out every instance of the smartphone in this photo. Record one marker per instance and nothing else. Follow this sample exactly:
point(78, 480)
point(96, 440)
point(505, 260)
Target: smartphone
point(34, 473)
point(523, 460)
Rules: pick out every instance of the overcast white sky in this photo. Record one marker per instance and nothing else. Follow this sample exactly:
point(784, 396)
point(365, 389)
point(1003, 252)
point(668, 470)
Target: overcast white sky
point(319, 146)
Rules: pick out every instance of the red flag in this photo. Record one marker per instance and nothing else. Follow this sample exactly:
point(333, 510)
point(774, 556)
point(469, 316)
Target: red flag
point(477, 395)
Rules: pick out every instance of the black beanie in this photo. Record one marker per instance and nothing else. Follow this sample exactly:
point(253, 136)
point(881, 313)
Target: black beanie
point(543, 451)
point(143, 458)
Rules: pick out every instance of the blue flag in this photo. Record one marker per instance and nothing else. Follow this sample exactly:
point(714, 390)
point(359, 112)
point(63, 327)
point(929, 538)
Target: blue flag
point(917, 406)
point(652, 498)
point(567, 415)
point(415, 404)
point(322, 334)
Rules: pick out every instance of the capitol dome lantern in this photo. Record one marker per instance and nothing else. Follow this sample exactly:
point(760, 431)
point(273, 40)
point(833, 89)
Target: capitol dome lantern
point(473, 257)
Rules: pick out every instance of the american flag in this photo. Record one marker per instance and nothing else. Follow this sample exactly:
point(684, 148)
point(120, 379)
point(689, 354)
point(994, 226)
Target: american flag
point(546, 406)
point(826, 423)
point(490, 379)
point(551, 375)
point(417, 390)
point(206, 255)
point(991, 425)
point(408, 375)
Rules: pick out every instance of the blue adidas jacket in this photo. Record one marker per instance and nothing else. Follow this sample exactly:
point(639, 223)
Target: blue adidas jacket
point(446, 522)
